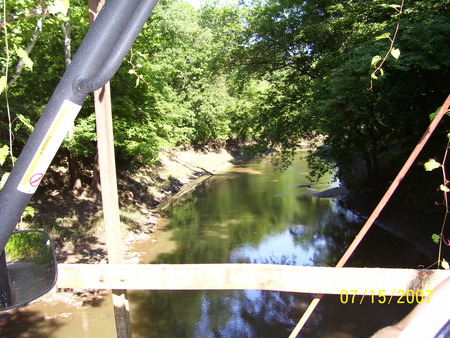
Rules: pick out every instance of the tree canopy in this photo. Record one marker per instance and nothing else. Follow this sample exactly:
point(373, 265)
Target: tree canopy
point(323, 50)
point(268, 73)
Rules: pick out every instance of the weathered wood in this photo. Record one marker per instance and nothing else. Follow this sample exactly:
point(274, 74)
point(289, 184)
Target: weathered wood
point(110, 202)
point(110, 199)
point(324, 280)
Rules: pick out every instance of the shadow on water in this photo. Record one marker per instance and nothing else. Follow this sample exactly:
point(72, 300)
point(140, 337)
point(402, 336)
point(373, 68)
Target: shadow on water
point(61, 314)
point(257, 215)
point(252, 214)
point(32, 324)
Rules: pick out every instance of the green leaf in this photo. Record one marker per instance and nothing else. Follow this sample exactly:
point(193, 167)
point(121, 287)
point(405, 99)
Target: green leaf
point(60, 6)
point(395, 52)
point(25, 58)
point(374, 74)
point(26, 121)
point(3, 83)
point(433, 115)
point(384, 36)
point(29, 211)
point(375, 60)
point(3, 180)
point(436, 238)
point(396, 7)
point(4, 151)
point(431, 165)
point(444, 188)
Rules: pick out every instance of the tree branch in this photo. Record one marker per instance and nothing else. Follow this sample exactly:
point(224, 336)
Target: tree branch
point(28, 49)
point(32, 13)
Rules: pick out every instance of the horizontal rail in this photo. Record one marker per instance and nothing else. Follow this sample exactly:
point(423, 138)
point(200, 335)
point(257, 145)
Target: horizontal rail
point(302, 279)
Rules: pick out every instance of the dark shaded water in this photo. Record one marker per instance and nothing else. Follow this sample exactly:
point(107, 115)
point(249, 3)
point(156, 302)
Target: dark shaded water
point(255, 214)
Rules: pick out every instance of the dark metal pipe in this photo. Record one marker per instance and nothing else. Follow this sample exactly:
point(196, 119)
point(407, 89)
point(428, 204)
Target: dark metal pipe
point(92, 82)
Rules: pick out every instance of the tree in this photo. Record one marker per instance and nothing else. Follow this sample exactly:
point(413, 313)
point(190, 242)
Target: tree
point(330, 46)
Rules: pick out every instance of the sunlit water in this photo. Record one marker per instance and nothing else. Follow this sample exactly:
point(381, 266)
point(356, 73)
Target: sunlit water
point(256, 214)
point(250, 214)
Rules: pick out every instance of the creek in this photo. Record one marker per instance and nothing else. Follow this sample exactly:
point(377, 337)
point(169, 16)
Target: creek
point(251, 213)
point(254, 213)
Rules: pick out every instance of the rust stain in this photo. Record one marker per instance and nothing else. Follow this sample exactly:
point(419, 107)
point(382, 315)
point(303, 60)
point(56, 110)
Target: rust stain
point(420, 280)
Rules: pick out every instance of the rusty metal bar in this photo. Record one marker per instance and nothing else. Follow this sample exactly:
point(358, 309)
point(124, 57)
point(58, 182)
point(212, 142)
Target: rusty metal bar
point(304, 279)
point(403, 171)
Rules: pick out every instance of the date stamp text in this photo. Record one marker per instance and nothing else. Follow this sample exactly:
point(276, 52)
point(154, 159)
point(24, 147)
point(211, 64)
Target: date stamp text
point(384, 297)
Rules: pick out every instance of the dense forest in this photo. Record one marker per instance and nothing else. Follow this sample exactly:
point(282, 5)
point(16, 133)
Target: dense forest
point(258, 74)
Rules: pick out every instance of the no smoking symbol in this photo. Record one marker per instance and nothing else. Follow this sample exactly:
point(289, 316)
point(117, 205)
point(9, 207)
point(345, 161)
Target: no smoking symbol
point(35, 179)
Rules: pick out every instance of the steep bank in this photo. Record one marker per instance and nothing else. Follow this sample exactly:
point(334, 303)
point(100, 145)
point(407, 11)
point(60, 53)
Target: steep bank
point(414, 213)
point(75, 222)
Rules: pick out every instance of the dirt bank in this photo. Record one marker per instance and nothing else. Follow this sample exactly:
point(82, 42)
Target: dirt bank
point(76, 221)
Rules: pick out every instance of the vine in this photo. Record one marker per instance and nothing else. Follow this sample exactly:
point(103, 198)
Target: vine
point(431, 165)
point(4, 86)
point(378, 61)
point(134, 68)
point(23, 61)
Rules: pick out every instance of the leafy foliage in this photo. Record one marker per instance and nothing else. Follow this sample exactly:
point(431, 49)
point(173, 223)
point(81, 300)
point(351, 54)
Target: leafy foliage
point(331, 45)
point(270, 73)
point(173, 89)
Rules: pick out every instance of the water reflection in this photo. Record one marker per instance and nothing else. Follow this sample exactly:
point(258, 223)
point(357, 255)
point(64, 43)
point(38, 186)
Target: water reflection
point(258, 215)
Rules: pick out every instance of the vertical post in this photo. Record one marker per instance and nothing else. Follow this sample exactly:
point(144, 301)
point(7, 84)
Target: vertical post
point(110, 202)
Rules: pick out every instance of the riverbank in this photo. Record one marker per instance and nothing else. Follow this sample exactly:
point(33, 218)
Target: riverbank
point(76, 226)
point(70, 310)
point(75, 222)
point(178, 173)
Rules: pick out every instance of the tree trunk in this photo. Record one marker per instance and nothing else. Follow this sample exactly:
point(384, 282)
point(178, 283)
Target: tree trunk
point(28, 49)
point(369, 168)
point(96, 187)
point(94, 8)
point(72, 159)
point(374, 154)
point(75, 173)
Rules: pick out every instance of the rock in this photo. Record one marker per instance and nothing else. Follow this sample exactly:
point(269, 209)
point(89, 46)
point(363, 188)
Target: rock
point(331, 193)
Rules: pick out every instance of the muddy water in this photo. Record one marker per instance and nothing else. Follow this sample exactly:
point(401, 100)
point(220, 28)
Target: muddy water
point(255, 214)
point(251, 214)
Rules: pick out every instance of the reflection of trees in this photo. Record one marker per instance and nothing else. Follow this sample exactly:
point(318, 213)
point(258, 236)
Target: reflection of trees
point(274, 314)
point(222, 215)
point(231, 210)
point(270, 313)
point(334, 319)
point(30, 323)
point(165, 313)
point(29, 246)
point(326, 228)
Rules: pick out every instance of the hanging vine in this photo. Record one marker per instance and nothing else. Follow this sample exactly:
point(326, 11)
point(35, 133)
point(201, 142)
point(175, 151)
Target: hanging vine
point(431, 165)
point(378, 61)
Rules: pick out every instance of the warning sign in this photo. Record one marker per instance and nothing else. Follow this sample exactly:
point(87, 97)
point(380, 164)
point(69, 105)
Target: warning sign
point(48, 147)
